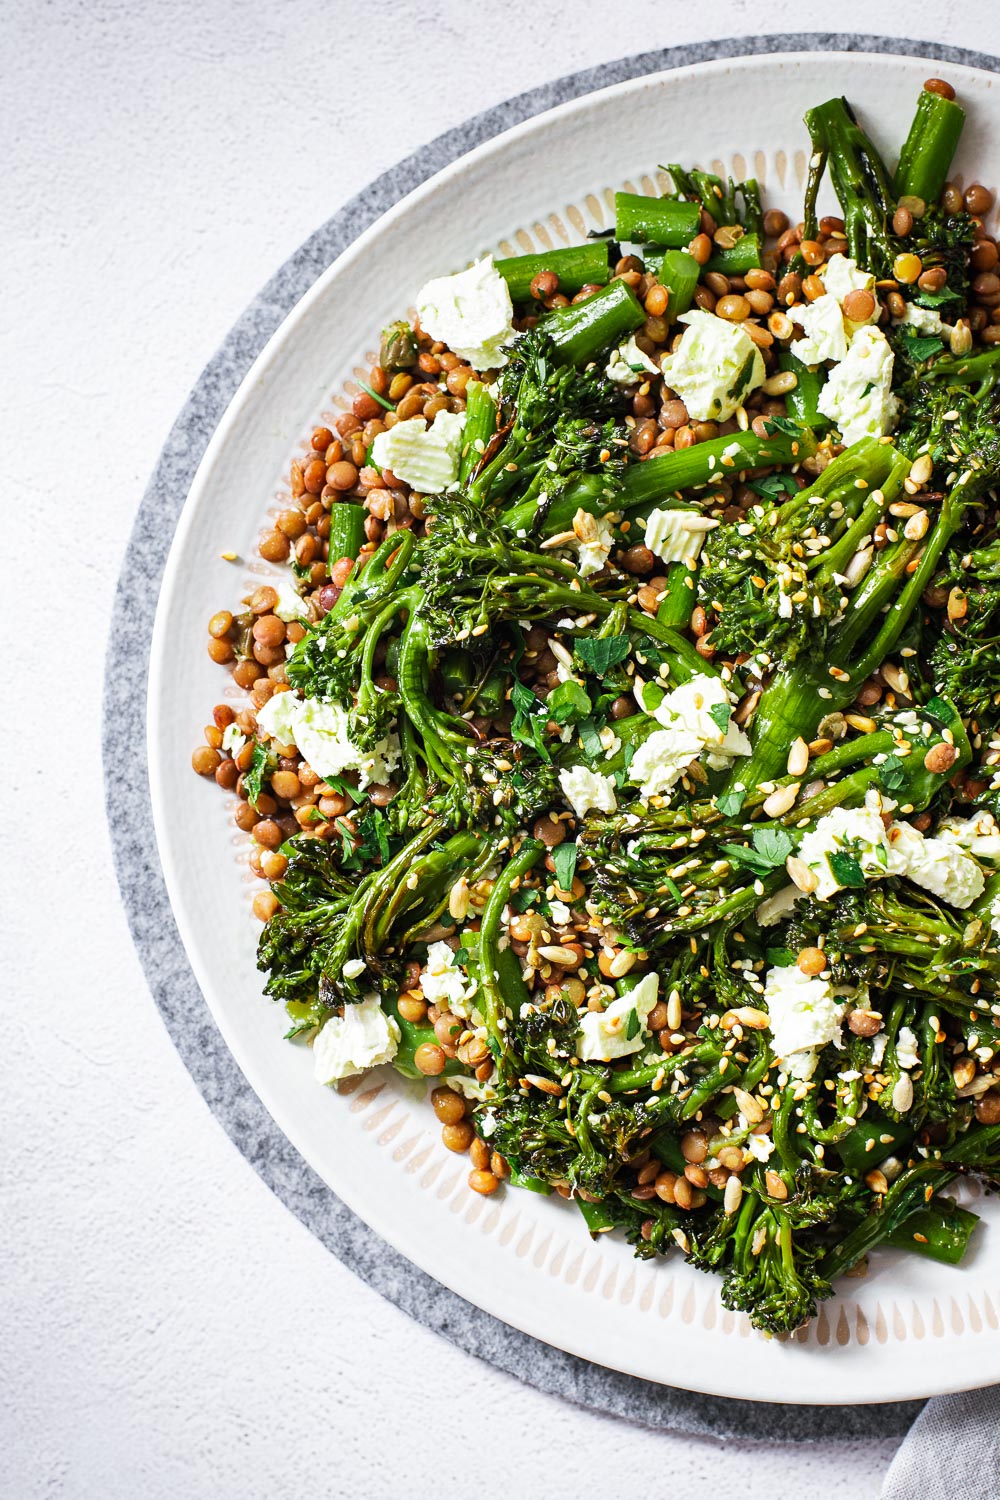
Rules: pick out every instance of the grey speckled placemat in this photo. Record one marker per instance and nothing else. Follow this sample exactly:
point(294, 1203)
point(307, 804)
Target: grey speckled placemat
point(173, 985)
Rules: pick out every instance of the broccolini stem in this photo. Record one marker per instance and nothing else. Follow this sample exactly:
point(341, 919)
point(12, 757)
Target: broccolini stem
point(418, 885)
point(480, 425)
point(655, 221)
point(724, 457)
point(903, 605)
point(802, 400)
point(677, 604)
point(680, 273)
point(906, 1194)
point(941, 1231)
point(583, 329)
point(782, 1130)
point(665, 475)
point(347, 530)
point(860, 181)
point(575, 265)
point(494, 1005)
point(736, 260)
point(928, 151)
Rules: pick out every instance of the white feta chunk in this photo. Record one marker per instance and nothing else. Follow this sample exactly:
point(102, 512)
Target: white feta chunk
point(290, 605)
point(471, 312)
point(778, 906)
point(693, 716)
point(584, 789)
point(233, 740)
point(858, 832)
point(945, 869)
point(425, 457)
point(362, 1038)
point(979, 834)
point(804, 1016)
point(677, 535)
point(661, 760)
point(604, 1034)
point(858, 395)
point(926, 320)
point(714, 368)
point(907, 1052)
point(320, 732)
point(823, 325)
point(629, 364)
point(593, 552)
point(443, 983)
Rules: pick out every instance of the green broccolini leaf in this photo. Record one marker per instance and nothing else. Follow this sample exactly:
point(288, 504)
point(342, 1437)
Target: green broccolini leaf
point(720, 714)
point(920, 346)
point(730, 803)
point(774, 485)
point(569, 703)
point(846, 869)
point(590, 738)
point(261, 769)
point(601, 654)
point(892, 774)
point(770, 848)
point(530, 716)
point(564, 859)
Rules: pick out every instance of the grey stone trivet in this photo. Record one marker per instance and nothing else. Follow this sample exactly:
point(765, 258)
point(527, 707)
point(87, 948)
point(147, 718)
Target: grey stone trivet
point(161, 953)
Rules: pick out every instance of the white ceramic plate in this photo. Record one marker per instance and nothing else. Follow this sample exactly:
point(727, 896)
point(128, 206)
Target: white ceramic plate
point(909, 1328)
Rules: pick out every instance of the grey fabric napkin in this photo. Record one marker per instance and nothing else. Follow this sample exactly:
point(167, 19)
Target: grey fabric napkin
point(952, 1451)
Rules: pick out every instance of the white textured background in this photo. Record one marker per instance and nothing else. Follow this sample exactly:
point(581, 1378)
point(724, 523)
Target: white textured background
point(168, 1328)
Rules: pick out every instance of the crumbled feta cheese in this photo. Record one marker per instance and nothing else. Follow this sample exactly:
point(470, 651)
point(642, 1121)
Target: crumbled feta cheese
point(714, 368)
point(926, 320)
point(855, 831)
point(907, 1054)
point(778, 906)
point(760, 1146)
point(362, 1038)
point(661, 760)
point(878, 1048)
point(353, 968)
point(424, 457)
point(290, 605)
point(604, 1034)
point(677, 535)
point(804, 1016)
point(584, 789)
point(593, 553)
point(824, 336)
point(629, 364)
point(471, 1088)
point(858, 395)
point(979, 834)
point(471, 312)
point(689, 727)
point(442, 982)
point(941, 867)
point(232, 740)
point(320, 732)
point(696, 705)
point(561, 913)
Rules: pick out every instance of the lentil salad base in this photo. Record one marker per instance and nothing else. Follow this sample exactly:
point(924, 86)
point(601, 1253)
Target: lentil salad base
point(646, 435)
